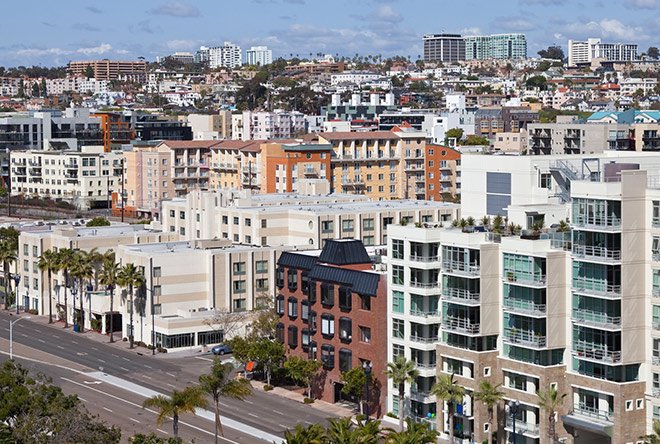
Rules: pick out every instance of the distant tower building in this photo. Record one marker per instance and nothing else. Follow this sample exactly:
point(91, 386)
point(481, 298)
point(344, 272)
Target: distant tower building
point(259, 55)
point(583, 52)
point(227, 56)
point(497, 46)
point(444, 48)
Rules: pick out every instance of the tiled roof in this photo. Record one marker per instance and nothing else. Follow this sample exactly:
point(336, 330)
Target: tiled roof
point(366, 135)
point(190, 143)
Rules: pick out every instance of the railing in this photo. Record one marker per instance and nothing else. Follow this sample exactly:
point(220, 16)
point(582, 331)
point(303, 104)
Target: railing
point(524, 306)
point(596, 318)
point(599, 252)
point(656, 292)
point(424, 258)
point(460, 325)
point(525, 337)
point(656, 222)
point(424, 339)
point(598, 352)
point(591, 412)
point(656, 325)
point(525, 278)
point(655, 392)
point(415, 284)
point(595, 286)
point(425, 314)
point(458, 266)
point(655, 360)
point(460, 295)
point(420, 394)
point(597, 221)
point(425, 366)
point(523, 427)
point(655, 255)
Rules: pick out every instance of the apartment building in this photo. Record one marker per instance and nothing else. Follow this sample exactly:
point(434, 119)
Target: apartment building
point(632, 85)
point(200, 292)
point(446, 48)
point(79, 84)
point(497, 46)
point(210, 126)
point(294, 219)
point(259, 55)
point(108, 69)
point(190, 161)
point(228, 55)
point(572, 136)
point(85, 178)
point(338, 290)
point(583, 52)
point(263, 125)
point(490, 121)
point(34, 291)
point(442, 175)
point(283, 166)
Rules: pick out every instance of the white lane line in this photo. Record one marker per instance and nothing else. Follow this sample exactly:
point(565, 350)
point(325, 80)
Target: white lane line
point(172, 385)
point(94, 348)
point(162, 431)
point(310, 423)
point(5, 329)
point(101, 360)
point(59, 346)
point(74, 342)
point(283, 426)
point(253, 415)
point(126, 359)
point(41, 340)
point(134, 420)
point(24, 335)
point(249, 402)
point(107, 409)
point(147, 377)
point(38, 331)
point(170, 374)
point(148, 366)
point(82, 399)
point(55, 336)
point(124, 368)
point(116, 356)
point(278, 412)
point(205, 359)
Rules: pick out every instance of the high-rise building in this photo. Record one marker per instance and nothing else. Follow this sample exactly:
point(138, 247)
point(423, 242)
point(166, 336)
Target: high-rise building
point(228, 55)
point(259, 55)
point(497, 46)
point(444, 48)
point(108, 69)
point(584, 52)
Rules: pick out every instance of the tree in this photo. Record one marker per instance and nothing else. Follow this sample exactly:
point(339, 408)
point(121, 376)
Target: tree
point(108, 276)
point(553, 52)
point(401, 371)
point(48, 263)
point(653, 53)
point(474, 140)
point(489, 395)
point(265, 323)
point(539, 82)
point(653, 438)
point(448, 390)
point(551, 400)
point(89, 72)
point(151, 438)
point(268, 353)
point(228, 322)
point(179, 402)
point(81, 269)
point(415, 433)
point(65, 259)
point(219, 383)
point(355, 381)
point(7, 257)
point(98, 222)
point(454, 133)
point(303, 371)
point(314, 434)
point(130, 276)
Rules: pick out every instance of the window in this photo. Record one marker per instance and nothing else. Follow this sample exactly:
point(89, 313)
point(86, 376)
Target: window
point(347, 225)
point(182, 231)
point(279, 333)
point(368, 224)
point(368, 240)
point(304, 310)
point(26, 249)
point(304, 338)
point(397, 302)
point(398, 350)
point(293, 307)
point(328, 294)
point(236, 221)
point(327, 226)
point(312, 322)
point(397, 249)
point(312, 292)
point(157, 290)
point(292, 280)
point(397, 328)
point(345, 360)
point(239, 267)
point(239, 286)
point(345, 329)
point(365, 302)
point(279, 305)
point(397, 274)
point(261, 266)
point(225, 220)
point(248, 222)
point(345, 298)
point(328, 355)
point(182, 215)
point(395, 404)
point(156, 272)
point(279, 277)
point(327, 325)
point(35, 251)
point(365, 334)
point(248, 239)
point(239, 305)
point(293, 336)
point(263, 223)
point(387, 221)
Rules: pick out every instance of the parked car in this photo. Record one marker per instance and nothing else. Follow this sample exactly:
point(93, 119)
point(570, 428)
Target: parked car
point(221, 349)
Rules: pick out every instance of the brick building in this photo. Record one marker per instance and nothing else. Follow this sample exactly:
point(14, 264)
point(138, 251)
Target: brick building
point(332, 308)
point(443, 182)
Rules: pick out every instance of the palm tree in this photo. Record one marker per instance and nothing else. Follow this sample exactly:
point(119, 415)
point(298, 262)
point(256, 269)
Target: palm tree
point(448, 390)
point(7, 257)
point(82, 269)
point(96, 259)
point(551, 400)
point(220, 383)
point(130, 276)
point(65, 259)
point(341, 431)
point(653, 438)
point(108, 276)
point(314, 434)
point(184, 401)
point(48, 263)
point(401, 371)
point(489, 395)
point(415, 433)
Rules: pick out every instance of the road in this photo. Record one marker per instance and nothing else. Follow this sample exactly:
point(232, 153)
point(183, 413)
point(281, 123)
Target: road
point(113, 383)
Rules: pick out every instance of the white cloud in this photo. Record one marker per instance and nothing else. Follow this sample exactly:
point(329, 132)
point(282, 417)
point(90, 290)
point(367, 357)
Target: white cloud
point(642, 4)
point(606, 28)
point(471, 31)
point(176, 9)
point(98, 50)
point(387, 14)
point(516, 24)
point(38, 52)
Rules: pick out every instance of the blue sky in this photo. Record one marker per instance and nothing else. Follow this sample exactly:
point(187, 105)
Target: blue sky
point(49, 32)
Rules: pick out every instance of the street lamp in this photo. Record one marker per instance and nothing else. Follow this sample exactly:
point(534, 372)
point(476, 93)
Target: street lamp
point(17, 279)
point(11, 336)
point(367, 368)
point(513, 409)
point(74, 292)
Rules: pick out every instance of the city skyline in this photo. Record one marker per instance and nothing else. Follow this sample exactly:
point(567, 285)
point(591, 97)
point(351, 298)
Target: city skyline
point(59, 35)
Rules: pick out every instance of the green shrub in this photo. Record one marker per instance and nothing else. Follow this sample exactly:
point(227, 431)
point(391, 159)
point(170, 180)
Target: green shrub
point(124, 339)
point(360, 418)
point(268, 387)
point(391, 415)
point(308, 401)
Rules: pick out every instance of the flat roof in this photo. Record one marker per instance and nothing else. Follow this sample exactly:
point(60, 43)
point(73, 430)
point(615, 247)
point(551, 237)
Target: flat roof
point(357, 207)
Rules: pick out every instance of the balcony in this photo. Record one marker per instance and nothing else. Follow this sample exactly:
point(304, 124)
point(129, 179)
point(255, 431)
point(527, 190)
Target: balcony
point(525, 428)
point(424, 285)
point(655, 360)
point(526, 279)
point(425, 340)
point(311, 172)
point(524, 307)
point(609, 223)
point(425, 314)
point(596, 319)
point(595, 352)
point(598, 253)
point(461, 268)
point(594, 287)
point(524, 338)
point(655, 392)
point(460, 296)
point(421, 395)
point(460, 325)
point(591, 412)
point(416, 258)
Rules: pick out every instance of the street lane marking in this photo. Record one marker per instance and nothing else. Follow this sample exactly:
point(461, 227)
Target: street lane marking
point(38, 331)
point(310, 423)
point(126, 359)
point(279, 413)
point(206, 359)
point(147, 377)
point(94, 348)
point(101, 360)
point(5, 329)
point(55, 336)
point(24, 335)
point(172, 385)
point(82, 399)
point(249, 402)
point(125, 369)
point(284, 427)
point(170, 374)
point(162, 431)
point(105, 408)
point(74, 342)
point(59, 346)
point(116, 356)
point(41, 340)
point(134, 420)
point(253, 415)
point(148, 366)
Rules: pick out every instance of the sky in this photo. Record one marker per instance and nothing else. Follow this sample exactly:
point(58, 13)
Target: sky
point(52, 33)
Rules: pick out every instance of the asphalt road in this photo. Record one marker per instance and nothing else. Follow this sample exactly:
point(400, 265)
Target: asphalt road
point(263, 411)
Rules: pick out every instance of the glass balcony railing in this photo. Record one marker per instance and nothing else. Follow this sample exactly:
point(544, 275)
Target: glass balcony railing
point(461, 267)
point(597, 221)
point(597, 252)
point(425, 339)
point(525, 338)
point(460, 296)
point(596, 318)
point(591, 412)
point(596, 286)
point(523, 427)
point(594, 351)
point(422, 258)
point(524, 278)
point(524, 306)
point(460, 325)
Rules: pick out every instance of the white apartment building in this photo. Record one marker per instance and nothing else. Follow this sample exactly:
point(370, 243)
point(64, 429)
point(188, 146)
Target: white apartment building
point(85, 178)
point(354, 77)
point(259, 55)
point(79, 84)
point(304, 221)
point(585, 52)
point(278, 124)
point(577, 310)
point(630, 85)
point(228, 55)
